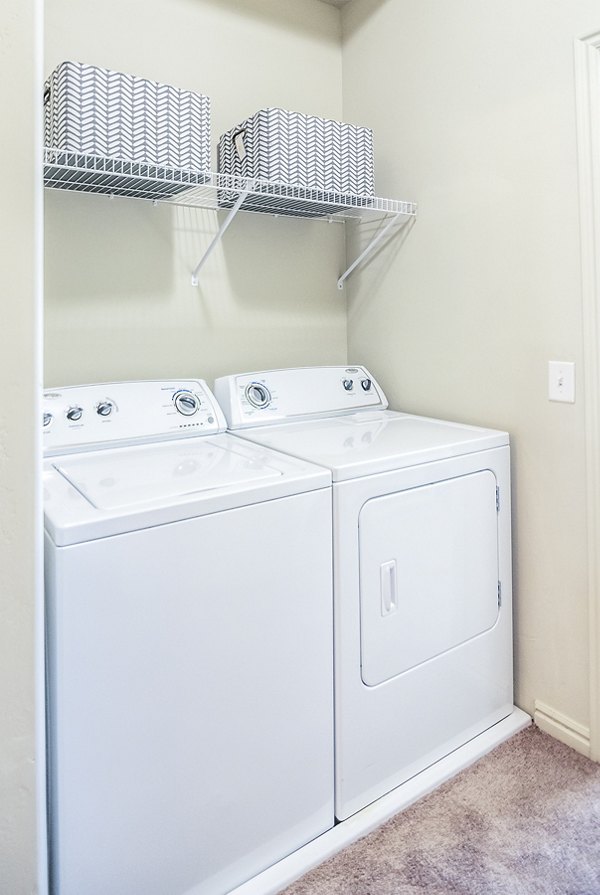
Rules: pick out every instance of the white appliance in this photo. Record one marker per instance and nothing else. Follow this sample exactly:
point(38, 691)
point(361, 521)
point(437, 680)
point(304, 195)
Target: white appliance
point(422, 567)
point(189, 644)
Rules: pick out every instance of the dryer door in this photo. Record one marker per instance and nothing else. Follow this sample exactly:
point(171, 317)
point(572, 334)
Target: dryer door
point(428, 572)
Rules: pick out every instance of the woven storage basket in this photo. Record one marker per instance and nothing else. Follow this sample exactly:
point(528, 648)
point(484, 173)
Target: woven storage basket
point(302, 150)
point(100, 112)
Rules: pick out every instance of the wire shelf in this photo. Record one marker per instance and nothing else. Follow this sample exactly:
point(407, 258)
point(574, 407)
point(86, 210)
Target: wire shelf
point(204, 189)
point(76, 171)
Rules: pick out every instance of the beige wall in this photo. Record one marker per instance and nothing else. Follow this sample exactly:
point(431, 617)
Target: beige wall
point(19, 522)
point(119, 303)
point(472, 106)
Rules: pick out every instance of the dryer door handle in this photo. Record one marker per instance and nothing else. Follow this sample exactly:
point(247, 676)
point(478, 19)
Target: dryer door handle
point(389, 594)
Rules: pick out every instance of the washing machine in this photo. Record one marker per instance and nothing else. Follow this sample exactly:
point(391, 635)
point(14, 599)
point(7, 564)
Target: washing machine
point(189, 644)
point(422, 567)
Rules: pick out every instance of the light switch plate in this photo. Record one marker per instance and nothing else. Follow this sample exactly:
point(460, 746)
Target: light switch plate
point(561, 381)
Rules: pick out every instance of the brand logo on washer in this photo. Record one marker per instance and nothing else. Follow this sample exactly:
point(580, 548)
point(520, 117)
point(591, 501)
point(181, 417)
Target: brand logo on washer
point(52, 395)
point(351, 369)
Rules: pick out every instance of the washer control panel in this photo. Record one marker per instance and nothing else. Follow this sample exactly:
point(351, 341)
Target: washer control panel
point(271, 396)
point(79, 417)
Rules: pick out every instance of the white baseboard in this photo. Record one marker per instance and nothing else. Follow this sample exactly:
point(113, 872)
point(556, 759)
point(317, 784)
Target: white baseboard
point(562, 728)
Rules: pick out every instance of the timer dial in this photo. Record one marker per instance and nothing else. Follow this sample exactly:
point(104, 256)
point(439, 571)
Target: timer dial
point(186, 403)
point(257, 394)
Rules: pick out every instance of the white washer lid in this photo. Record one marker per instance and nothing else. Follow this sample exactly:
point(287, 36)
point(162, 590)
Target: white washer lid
point(167, 471)
point(370, 442)
point(101, 493)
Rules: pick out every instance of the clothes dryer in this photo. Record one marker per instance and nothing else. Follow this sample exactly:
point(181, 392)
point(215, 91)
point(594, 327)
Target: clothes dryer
point(422, 567)
point(189, 644)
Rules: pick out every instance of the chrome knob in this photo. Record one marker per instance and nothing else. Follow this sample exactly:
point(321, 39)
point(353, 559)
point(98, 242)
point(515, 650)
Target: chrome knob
point(366, 384)
point(104, 408)
point(186, 403)
point(74, 413)
point(348, 384)
point(47, 420)
point(258, 395)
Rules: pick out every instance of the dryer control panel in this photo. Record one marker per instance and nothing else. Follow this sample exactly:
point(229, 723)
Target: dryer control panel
point(84, 417)
point(271, 396)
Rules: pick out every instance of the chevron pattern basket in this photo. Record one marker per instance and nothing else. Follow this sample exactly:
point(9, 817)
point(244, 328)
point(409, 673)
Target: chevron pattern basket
point(106, 113)
point(299, 149)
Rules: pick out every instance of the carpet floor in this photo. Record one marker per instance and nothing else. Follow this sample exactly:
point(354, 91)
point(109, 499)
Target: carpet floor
point(524, 820)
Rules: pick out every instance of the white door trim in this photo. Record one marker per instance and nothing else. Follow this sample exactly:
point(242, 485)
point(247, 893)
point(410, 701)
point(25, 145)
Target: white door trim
point(587, 85)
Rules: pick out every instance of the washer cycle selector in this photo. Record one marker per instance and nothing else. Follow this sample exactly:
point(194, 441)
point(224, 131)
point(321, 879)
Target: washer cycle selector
point(104, 408)
point(348, 384)
point(258, 395)
point(186, 403)
point(47, 420)
point(74, 413)
point(366, 384)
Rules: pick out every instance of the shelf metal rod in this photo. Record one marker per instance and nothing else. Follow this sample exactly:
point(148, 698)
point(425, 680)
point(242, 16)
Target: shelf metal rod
point(219, 235)
point(367, 251)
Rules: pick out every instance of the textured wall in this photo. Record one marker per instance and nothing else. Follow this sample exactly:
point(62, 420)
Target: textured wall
point(119, 303)
point(473, 110)
point(19, 561)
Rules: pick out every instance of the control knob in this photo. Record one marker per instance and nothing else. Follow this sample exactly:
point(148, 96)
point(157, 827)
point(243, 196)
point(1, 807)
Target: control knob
point(348, 384)
point(47, 420)
point(186, 403)
point(366, 384)
point(105, 408)
point(258, 395)
point(74, 413)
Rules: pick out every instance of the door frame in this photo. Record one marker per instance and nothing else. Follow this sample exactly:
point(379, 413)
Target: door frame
point(587, 87)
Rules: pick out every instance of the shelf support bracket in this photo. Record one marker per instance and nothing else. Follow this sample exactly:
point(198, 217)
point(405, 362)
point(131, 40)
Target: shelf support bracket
point(219, 235)
point(370, 248)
